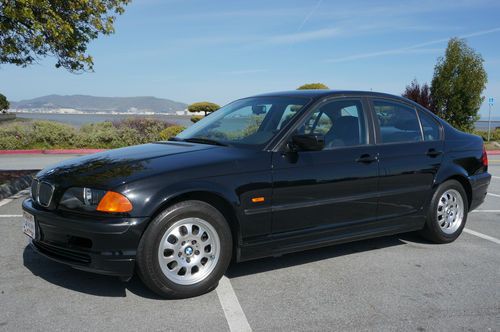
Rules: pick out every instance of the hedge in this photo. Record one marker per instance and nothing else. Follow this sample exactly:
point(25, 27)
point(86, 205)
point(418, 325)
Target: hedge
point(16, 135)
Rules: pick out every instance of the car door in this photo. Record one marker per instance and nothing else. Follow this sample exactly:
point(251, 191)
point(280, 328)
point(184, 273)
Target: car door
point(409, 158)
point(332, 188)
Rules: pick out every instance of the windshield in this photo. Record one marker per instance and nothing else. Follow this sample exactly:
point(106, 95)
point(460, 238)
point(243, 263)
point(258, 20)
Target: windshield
point(250, 121)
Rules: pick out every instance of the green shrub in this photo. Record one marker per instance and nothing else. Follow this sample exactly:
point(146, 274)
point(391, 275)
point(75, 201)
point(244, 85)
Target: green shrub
point(196, 118)
point(36, 135)
point(144, 130)
point(171, 131)
point(49, 134)
point(14, 136)
point(101, 135)
point(98, 135)
point(494, 135)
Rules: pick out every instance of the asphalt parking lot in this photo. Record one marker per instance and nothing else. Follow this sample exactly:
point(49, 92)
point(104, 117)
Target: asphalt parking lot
point(392, 283)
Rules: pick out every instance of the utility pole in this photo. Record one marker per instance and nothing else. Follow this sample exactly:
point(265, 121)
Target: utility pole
point(491, 101)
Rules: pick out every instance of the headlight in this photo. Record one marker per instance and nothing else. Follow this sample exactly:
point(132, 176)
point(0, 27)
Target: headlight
point(85, 199)
point(88, 199)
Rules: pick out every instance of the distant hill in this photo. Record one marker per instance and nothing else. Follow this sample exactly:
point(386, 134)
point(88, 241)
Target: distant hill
point(100, 104)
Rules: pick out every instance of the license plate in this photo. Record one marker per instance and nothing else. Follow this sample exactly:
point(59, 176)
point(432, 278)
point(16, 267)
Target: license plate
point(29, 227)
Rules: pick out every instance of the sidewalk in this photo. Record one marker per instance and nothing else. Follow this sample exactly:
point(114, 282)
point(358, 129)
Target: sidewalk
point(13, 160)
point(16, 162)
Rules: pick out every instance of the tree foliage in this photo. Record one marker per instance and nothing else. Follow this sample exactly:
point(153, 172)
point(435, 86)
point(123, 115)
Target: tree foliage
point(313, 86)
point(32, 29)
point(420, 94)
point(204, 106)
point(459, 79)
point(4, 103)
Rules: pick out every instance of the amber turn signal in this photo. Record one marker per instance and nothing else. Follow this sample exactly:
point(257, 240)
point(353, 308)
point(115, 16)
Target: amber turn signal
point(258, 199)
point(114, 202)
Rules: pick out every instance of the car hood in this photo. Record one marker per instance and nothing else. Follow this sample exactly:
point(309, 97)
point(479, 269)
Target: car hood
point(110, 168)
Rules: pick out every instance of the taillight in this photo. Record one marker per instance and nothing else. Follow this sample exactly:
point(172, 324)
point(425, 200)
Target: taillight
point(484, 158)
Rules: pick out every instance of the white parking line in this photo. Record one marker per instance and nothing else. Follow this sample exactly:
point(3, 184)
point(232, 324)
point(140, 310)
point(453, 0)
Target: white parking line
point(5, 201)
point(495, 177)
point(486, 211)
point(494, 195)
point(10, 215)
point(483, 236)
point(235, 316)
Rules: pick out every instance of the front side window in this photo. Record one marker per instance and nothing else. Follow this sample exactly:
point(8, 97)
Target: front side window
point(429, 126)
point(398, 123)
point(341, 122)
point(245, 122)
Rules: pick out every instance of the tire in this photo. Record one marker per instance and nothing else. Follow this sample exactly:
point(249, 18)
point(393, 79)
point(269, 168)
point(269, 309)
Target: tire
point(447, 213)
point(190, 235)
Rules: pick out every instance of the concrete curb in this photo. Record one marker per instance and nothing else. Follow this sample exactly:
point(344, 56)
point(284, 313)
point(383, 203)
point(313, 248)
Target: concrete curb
point(55, 151)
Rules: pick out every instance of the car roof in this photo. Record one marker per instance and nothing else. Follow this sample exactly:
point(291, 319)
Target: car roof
point(318, 94)
point(315, 94)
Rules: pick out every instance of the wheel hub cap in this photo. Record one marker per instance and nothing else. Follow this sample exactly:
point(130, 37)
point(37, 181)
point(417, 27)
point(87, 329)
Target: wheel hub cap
point(188, 251)
point(450, 211)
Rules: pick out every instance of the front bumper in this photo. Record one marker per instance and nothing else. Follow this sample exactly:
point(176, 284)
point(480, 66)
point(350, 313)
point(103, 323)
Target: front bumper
point(100, 245)
point(479, 185)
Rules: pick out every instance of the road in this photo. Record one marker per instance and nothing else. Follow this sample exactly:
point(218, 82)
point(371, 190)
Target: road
point(392, 283)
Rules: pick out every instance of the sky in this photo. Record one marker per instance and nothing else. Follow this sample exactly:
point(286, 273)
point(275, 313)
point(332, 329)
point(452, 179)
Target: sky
point(221, 50)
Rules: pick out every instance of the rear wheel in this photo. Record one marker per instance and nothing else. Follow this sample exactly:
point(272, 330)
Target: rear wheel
point(185, 250)
point(447, 214)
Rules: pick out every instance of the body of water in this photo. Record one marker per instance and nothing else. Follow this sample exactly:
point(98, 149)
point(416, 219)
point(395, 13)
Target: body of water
point(483, 124)
point(78, 120)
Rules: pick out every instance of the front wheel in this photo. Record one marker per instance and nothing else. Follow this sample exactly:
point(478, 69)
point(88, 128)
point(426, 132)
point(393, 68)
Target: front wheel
point(447, 213)
point(185, 250)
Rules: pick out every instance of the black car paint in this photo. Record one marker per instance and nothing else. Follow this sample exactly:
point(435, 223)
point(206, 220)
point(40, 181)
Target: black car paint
point(312, 198)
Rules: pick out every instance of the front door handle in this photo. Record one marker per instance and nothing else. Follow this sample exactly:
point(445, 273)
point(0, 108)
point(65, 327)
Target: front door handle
point(433, 153)
point(366, 159)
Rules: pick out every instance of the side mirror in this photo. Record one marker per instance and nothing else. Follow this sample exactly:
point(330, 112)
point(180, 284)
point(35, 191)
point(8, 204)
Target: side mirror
point(310, 142)
point(259, 109)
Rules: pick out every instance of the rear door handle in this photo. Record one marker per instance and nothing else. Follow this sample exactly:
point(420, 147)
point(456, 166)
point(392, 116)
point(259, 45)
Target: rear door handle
point(433, 153)
point(366, 159)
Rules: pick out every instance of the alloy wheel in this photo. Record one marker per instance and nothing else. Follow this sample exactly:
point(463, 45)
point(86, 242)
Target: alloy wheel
point(450, 211)
point(189, 251)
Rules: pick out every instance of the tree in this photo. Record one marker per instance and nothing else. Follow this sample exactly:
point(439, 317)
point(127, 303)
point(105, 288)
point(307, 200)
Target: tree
point(459, 79)
point(313, 86)
point(204, 106)
point(32, 29)
point(420, 94)
point(4, 103)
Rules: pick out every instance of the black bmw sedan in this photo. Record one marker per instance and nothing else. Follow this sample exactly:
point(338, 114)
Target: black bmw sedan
point(262, 176)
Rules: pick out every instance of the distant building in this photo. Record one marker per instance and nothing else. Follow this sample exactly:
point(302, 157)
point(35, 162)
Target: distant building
point(186, 112)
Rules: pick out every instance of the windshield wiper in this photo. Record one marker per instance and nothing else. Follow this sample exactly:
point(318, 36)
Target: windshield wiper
point(201, 140)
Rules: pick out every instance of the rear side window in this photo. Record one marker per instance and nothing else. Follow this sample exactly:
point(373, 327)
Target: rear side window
point(429, 126)
point(398, 123)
